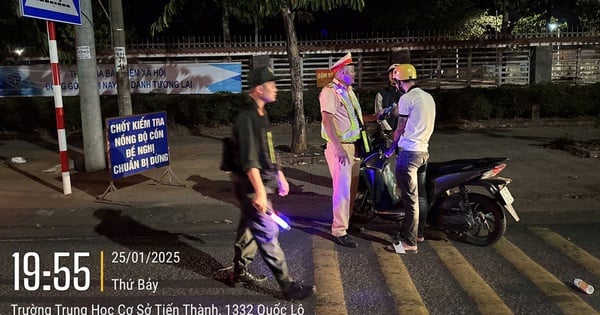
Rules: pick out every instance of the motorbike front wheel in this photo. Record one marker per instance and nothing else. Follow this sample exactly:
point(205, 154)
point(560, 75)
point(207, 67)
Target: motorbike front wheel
point(490, 222)
point(363, 211)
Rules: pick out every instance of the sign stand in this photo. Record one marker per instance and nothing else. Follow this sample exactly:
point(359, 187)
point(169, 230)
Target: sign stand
point(111, 189)
point(169, 172)
point(135, 144)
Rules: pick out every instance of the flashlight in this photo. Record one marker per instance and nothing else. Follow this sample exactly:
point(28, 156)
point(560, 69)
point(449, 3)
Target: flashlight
point(281, 222)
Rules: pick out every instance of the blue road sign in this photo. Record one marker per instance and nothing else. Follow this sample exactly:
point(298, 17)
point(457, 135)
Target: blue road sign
point(137, 143)
point(64, 11)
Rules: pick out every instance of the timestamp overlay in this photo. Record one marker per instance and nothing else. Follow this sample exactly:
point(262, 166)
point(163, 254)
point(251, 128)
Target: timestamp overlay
point(157, 273)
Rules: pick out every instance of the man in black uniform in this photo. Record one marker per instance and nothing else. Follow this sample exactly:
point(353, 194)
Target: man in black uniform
point(386, 97)
point(259, 176)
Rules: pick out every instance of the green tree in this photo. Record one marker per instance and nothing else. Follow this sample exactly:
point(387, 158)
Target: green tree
point(19, 32)
point(536, 23)
point(418, 15)
point(517, 14)
point(256, 10)
point(479, 26)
point(287, 10)
point(32, 35)
point(509, 11)
point(589, 14)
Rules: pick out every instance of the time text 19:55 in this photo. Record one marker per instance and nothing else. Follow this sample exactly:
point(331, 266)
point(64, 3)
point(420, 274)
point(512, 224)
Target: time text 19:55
point(68, 270)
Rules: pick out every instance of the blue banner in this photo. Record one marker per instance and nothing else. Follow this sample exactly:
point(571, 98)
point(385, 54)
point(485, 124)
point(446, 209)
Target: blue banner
point(207, 78)
point(137, 143)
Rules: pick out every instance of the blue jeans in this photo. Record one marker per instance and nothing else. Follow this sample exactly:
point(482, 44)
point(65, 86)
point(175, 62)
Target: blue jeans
point(408, 164)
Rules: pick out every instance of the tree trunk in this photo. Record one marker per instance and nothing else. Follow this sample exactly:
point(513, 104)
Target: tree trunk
point(505, 20)
point(225, 25)
point(299, 144)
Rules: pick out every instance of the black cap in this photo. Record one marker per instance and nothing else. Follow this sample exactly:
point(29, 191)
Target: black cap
point(260, 75)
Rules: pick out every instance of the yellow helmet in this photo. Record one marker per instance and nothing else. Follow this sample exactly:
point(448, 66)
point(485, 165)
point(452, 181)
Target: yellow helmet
point(405, 72)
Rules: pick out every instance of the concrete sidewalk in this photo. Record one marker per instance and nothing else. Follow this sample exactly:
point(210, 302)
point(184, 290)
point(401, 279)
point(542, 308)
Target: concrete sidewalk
point(544, 180)
point(31, 193)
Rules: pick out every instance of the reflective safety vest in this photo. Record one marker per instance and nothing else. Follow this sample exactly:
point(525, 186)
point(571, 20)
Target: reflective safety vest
point(353, 109)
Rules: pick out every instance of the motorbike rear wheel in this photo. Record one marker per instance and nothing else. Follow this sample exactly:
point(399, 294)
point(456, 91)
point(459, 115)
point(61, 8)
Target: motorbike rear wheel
point(363, 210)
point(490, 221)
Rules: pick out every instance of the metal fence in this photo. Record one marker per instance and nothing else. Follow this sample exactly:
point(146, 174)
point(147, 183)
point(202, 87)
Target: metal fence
point(312, 41)
point(576, 65)
point(440, 68)
point(442, 60)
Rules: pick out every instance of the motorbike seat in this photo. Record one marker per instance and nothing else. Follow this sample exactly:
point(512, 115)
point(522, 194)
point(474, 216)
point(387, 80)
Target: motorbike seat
point(457, 166)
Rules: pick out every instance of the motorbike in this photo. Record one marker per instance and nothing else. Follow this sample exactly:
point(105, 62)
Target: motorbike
point(465, 199)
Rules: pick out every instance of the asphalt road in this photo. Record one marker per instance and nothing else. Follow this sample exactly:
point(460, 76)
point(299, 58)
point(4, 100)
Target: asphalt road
point(527, 272)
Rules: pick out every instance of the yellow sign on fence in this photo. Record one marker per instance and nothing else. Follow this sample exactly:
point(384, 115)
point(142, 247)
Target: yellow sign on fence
point(324, 76)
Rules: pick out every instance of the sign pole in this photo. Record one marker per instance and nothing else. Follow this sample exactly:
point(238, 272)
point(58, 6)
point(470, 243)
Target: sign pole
point(58, 106)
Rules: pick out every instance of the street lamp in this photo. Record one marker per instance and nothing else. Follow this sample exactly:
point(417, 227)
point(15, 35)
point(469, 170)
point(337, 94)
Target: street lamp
point(18, 52)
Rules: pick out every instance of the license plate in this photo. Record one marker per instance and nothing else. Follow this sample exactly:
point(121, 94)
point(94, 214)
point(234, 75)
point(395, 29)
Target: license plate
point(506, 196)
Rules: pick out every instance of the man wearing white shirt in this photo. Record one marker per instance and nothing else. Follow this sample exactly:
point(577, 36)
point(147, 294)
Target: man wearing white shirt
point(416, 119)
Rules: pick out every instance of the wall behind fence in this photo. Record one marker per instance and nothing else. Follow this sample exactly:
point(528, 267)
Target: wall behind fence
point(437, 68)
point(442, 61)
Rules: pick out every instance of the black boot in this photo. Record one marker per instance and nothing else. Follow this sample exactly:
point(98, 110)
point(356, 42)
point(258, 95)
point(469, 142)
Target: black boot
point(246, 277)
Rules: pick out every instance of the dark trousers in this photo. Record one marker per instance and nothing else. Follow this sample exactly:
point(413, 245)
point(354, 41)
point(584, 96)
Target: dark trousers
point(408, 164)
point(257, 231)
